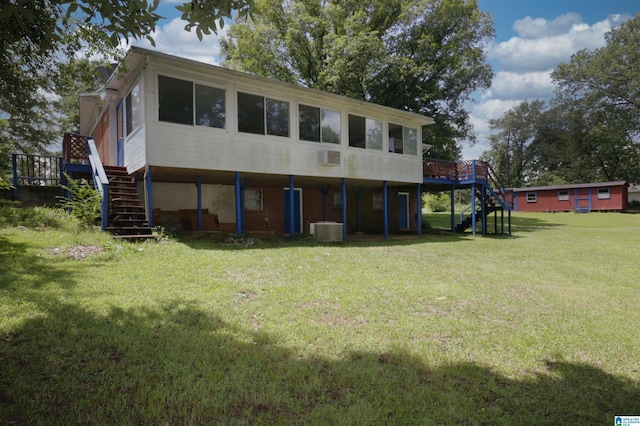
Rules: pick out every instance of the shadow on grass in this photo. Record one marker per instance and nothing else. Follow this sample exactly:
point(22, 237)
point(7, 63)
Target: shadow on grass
point(178, 364)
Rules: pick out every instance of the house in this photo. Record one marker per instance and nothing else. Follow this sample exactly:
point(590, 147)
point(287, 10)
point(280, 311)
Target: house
point(634, 193)
point(209, 148)
point(583, 197)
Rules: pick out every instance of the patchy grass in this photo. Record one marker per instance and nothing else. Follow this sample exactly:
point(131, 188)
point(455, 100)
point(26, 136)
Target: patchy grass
point(537, 328)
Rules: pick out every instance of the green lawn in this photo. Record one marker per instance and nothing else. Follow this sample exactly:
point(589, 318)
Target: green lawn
point(537, 328)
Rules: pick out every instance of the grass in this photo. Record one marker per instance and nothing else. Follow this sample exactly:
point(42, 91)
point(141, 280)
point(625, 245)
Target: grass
point(537, 328)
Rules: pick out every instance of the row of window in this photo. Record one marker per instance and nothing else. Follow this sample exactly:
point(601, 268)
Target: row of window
point(185, 102)
point(603, 194)
point(253, 200)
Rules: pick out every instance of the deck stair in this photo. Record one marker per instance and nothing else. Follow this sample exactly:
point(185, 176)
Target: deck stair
point(126, 212)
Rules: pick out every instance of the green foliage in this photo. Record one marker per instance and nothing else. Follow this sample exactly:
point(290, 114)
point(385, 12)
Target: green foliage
point(35, 217)
point(438, 201)
point(423, 56)
point(83, 201)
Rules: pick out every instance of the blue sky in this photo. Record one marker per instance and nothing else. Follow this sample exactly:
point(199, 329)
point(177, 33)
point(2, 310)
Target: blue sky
point(532, 38)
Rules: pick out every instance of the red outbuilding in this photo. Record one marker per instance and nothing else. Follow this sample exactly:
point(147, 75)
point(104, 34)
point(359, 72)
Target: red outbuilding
point(581, 197)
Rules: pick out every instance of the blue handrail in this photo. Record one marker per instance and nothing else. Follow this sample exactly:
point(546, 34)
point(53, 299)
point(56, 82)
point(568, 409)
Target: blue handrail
point(100, 181)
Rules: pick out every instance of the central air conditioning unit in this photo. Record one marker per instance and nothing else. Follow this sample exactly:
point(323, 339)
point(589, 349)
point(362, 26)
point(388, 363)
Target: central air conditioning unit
point(328, 158)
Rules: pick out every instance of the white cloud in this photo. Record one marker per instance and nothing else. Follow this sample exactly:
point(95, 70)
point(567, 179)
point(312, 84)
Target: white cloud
point(543, 44)
point(173, 39)
point(511, 85)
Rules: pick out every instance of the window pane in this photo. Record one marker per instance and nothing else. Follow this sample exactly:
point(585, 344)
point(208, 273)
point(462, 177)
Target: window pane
point(330, 126)
point(132, 109)
point(410, 141)
point(253, 199)
point(337, 200)
point(374, 134)
point(277, 118)
point(210, 106)
point(250, 113)
point(395, 138)
point(357, 131)
point(127, 108)
point(309, 123)
point(377, 201)
point(176, 100)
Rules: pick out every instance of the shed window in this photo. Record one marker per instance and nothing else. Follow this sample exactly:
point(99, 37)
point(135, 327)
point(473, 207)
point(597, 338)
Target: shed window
point(532, 197)
point(365, 132)
point(253, 199)
point(318, 124)
point(604, 193)
point(175, 100)
point(210, 106)
point(563, 195)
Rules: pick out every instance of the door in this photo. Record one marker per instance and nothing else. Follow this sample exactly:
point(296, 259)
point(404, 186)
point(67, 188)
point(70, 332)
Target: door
point(297, 211)
point(403, 210)
point(120, 133)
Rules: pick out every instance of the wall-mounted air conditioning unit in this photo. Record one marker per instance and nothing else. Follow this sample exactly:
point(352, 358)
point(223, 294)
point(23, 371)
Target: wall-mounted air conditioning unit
point(328, 158)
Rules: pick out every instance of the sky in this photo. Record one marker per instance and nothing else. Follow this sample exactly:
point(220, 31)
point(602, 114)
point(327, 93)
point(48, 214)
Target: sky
point(532, 38)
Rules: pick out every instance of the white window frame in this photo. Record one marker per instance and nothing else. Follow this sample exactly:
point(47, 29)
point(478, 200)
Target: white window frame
point(133, 111)
point(532, 197)
point(604, 193)
point(563, 195)
point(253, 199)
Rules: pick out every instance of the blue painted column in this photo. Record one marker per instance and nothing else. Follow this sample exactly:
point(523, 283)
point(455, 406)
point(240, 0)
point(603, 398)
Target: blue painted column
point(238, 192)
point(453, 209)
point(419, 207)
point(473, 207)
point(292, 210)
point(199, 191)
point(483, 190)
point(14, 163)
point(344, 209)
point(148, 179)
point(385, 208)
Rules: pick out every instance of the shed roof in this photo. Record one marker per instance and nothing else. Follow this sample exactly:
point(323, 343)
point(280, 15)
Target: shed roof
point(571, 186)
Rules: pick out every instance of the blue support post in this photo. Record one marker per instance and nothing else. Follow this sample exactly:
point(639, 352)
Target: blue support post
point(292, 210)
point(473, 207)
point(419, 207)
point(104, 209)
point(474, 170)
point(199, 196)
point(324, 189)
point(148, 182)
point(14, 163)
point(453, 209)
point(344, 209)
point(238, 191)
point(385, 202)
point(483, 190)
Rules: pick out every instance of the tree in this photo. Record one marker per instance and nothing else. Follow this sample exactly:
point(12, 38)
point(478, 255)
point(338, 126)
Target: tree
point(509, 147)
point(602, 89)
point(423, 56)
point(39, 35)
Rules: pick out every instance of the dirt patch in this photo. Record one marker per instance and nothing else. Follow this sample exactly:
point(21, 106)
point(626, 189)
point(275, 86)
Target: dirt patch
point(78, 252)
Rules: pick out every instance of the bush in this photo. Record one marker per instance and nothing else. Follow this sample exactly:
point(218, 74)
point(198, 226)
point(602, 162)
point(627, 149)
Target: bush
point(83, 201)
point(34, 217)
point(438, 202)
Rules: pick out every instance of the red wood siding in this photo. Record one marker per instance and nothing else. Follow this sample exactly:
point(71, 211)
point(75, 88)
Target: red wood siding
point(101, 138)
point(547, 200)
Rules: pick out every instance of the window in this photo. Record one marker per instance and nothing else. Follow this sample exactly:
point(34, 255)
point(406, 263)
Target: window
point(563, 195)
point(250, 113)
point(532, 197)
point(175, 100)
point(277, 117)
point(365, 132)
point(337, 200)
point(377, 201)
point(253, 199)
point(210, 106)
point(604, 194)
point(410, 138)
point(319, 125)
point(395, 138)
point(262, 116)
point(132, 109)
point(176, 103)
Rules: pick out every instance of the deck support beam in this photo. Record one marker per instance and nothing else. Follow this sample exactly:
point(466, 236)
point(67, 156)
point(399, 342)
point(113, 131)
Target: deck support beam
point(344, 209)
point(473, 207)
point(148, 181)
point(239, 202)
point(292, 220)
point(419, 207)
point(385, 203)
point(453, 209)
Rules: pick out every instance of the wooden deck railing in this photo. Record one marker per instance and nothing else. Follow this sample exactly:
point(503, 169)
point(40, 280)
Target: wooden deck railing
point(75, 149)
point(455, 171)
